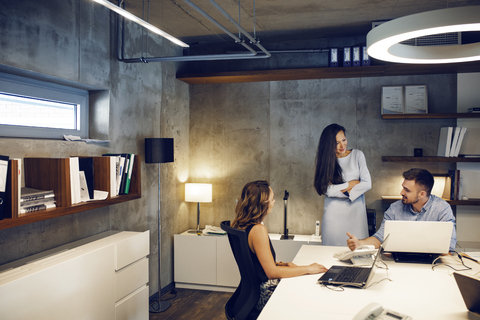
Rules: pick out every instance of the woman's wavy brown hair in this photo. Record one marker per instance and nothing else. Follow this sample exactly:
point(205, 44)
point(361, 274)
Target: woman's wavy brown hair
point(252, 206)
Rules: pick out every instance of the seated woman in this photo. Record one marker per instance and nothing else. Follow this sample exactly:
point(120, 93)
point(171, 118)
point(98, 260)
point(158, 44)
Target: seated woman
point(255, 204)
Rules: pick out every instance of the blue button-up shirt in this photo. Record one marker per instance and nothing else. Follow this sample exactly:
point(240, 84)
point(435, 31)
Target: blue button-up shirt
point(436, 209)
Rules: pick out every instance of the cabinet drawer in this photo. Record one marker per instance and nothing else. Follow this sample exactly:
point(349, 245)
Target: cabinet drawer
point(134, 306)
point(132, 249)
point(131, 278)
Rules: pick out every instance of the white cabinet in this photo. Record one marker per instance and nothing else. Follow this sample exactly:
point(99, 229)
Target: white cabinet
point(207, 262)
point(100, 277)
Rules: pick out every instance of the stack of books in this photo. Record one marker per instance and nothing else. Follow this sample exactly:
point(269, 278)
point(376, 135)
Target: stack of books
point(450, 141)
point(35, 200)
point(121, 174)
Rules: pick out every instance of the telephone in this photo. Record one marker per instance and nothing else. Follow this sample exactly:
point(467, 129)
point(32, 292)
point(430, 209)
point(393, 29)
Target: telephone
point(376, 311)
point(360, 256)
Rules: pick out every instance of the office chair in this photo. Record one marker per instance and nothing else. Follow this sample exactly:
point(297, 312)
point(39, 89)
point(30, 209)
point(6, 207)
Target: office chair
point(242, 303)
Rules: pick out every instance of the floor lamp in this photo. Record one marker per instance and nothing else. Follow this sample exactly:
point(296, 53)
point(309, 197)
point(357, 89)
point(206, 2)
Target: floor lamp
point(159, 150)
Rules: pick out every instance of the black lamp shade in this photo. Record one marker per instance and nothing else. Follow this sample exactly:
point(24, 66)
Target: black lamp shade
point(158, 150)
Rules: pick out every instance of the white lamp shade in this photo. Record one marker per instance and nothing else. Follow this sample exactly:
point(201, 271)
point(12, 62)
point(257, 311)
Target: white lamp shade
point(384, 41)
point(198, 192)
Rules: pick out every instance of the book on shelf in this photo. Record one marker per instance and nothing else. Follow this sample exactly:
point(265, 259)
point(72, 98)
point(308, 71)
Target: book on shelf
point(75, 180)
point(124, 173)
point(3, 184)
point(122, 162)
point(463, 131)
point(458, 135)
point(444, 141)
point(37, 207)
point(86, 166)
point(129, 172)
point(450, 141)
point(455, 135)
point(13, 192)
point(32, 194)
point(454, 181)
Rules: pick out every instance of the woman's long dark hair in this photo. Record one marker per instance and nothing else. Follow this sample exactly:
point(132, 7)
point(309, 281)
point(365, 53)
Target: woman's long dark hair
point(327, 169)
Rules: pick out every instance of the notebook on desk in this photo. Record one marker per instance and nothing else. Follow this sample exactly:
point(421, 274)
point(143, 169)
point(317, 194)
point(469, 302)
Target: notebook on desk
point(417, 241)
point(352, 276)
point(470, 289)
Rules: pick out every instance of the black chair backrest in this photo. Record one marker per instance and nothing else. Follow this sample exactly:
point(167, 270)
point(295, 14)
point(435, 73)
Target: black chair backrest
point(243, 301)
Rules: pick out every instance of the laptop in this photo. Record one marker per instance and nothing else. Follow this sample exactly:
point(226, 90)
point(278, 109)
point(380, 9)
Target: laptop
point(417, 241)
point(470, 289)
point(352, 276)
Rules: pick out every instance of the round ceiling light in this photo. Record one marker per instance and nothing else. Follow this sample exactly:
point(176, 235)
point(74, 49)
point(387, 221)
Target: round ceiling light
point(383, 42)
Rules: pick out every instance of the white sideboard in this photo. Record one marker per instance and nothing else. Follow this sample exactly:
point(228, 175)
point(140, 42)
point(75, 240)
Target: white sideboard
point(100, 277)
point(207, 262)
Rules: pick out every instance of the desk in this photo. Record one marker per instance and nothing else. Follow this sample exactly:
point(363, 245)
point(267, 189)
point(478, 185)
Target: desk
point(416, 290)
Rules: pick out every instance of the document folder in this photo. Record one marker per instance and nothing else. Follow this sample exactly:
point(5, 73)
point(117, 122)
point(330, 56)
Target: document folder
point(347, 57)
point(365, 57)
point(356, 57)
point(333, 57)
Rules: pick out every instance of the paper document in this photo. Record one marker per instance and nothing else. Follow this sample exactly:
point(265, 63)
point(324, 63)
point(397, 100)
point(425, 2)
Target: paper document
point(70, 137)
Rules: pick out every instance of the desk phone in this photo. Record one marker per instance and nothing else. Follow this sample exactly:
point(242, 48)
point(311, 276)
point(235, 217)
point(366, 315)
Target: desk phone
point(374, 311)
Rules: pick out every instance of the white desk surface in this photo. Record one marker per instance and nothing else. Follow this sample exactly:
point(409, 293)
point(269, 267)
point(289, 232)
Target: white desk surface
point(416, 290)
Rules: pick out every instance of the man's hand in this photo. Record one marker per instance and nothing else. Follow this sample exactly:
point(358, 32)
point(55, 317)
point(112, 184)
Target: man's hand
point(352, 243)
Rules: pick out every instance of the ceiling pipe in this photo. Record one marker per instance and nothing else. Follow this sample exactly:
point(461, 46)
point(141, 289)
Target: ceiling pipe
point(239, 27)
point(250, 55)
point(212, 20)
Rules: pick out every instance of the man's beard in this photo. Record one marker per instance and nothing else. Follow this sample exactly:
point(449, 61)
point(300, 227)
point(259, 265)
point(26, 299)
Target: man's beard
point(404, 201)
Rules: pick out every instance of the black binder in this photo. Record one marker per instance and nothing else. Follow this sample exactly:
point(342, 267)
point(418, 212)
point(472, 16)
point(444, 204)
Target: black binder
point(3, 184)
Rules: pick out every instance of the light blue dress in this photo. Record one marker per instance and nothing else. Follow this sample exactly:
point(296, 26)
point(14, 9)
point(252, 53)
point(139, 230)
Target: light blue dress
point(344, 214)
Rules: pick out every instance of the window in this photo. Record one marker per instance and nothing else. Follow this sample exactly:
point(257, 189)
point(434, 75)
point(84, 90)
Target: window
point(37, 109)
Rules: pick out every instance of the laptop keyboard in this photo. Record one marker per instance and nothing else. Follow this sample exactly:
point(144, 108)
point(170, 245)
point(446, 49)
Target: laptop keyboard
point(349, 274)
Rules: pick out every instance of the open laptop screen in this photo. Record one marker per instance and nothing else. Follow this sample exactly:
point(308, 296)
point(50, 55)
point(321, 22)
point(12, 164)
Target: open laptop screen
point(418, 236)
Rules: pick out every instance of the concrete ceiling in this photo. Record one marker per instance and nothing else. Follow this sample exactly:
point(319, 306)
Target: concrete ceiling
point(280, 20)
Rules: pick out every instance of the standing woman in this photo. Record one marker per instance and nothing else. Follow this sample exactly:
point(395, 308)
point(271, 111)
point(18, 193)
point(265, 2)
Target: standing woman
point(343, 177)
point(255, 203)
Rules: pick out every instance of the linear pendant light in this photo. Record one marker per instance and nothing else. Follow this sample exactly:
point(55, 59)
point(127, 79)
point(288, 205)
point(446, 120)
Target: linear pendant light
point(383, 42)
point(141, 22)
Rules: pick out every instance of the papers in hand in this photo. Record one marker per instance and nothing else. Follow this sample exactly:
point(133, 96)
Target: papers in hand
point(212, 230)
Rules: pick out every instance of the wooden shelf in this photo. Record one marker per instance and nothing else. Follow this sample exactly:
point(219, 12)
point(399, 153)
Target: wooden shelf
point(328, 73)
point(451, 202)
point(430, 116)
point(51, 174)
point(429, 159)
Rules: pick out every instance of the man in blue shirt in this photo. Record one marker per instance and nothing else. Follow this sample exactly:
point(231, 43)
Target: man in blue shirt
point(417, 204)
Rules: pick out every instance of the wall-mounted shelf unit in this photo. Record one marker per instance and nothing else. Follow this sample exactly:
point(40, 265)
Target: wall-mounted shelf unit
point(431, 116)
point(429, 159)
point(53, 174)
point(452, 202)
point(328, 73)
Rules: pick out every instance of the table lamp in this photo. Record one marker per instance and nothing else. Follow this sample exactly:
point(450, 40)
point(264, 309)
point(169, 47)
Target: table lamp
point(198, 192)
point(159, 150)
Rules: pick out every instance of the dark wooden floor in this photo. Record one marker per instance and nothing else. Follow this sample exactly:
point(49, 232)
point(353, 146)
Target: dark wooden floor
point(194, 304)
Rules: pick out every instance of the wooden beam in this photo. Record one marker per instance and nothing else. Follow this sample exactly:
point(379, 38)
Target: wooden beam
point(328, 73)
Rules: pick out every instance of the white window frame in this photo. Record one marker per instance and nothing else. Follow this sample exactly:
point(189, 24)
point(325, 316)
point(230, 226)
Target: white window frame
point(22, 86)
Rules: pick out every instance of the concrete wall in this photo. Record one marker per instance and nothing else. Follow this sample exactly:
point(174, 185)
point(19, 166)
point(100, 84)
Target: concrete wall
point(73, 40)
point(270, 130)
point(224, 134)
